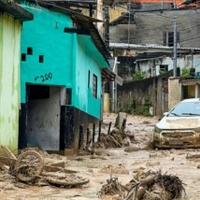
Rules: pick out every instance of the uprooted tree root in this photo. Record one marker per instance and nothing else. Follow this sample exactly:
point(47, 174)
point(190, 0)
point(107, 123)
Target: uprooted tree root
point(113, 187)
point(151, 186)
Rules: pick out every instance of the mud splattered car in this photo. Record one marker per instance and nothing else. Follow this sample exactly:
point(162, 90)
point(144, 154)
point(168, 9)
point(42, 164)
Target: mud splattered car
point(180, 127)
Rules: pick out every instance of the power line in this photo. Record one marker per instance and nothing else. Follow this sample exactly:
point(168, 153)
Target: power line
point(190, 39)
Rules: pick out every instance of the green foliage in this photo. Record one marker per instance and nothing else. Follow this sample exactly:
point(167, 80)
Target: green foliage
point(136, 108)
point(185, 72)
point(139, 75)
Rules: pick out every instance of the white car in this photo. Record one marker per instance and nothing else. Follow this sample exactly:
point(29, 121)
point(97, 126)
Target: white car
point(180, 127)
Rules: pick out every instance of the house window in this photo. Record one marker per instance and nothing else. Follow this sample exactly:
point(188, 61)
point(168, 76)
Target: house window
point(163, 69)
point(94, 85)
point(23, 57)
point(168, 38)
point(30, 51)
point(89, 79)
point(41, 59)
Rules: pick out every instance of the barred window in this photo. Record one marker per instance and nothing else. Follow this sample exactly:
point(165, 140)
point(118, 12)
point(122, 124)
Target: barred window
point(94, 84)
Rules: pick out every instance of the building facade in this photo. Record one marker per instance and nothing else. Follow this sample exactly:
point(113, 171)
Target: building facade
point(11, 18)
point(62, 61)
point(143, 44)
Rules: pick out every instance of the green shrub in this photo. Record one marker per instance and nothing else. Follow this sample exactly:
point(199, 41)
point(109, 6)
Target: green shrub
point(139, 75)
point(185, 72)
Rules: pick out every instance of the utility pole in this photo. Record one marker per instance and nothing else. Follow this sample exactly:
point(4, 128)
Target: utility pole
point(114, 88)
point(99, 16)
point(106, 25)
point(175, 47)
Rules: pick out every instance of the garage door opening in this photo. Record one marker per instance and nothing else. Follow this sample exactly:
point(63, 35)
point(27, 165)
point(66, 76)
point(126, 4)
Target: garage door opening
point(43, 117)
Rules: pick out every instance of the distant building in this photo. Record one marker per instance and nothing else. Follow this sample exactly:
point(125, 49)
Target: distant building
point(63, 62)
point(11, 18)
point(143, 44)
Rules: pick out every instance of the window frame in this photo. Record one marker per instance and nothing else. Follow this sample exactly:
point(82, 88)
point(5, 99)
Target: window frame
point(94, 85)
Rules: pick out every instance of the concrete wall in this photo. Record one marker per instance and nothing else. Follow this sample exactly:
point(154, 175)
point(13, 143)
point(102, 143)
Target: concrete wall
point(10, 30)
point(138, 96)
point(175, 92)
point(148, 28)
point(43, 121)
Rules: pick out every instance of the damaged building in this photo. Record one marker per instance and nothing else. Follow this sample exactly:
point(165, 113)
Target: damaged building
point(62, 67)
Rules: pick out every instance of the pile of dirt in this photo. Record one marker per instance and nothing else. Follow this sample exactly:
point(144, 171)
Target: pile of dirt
point(148, 186)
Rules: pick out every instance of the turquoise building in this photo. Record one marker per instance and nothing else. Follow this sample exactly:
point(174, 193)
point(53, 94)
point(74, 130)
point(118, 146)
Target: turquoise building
point(63, 61)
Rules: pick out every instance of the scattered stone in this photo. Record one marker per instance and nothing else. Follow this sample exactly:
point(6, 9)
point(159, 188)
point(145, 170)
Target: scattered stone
point(193, 157)
point(98, 157)
point(152, 164)
point(132, 148)
point(110, 169)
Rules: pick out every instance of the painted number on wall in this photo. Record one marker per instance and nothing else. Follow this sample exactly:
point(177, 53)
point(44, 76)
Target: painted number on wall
point(44, 77)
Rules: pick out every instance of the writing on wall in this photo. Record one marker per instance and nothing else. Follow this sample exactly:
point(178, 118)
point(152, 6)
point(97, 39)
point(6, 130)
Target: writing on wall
point(44, 77)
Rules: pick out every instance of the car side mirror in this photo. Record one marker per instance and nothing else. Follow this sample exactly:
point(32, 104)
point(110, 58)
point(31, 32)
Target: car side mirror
point(166, 113)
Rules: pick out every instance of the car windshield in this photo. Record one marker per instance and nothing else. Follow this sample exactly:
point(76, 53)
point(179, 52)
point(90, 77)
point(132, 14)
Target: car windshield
point(186, 109)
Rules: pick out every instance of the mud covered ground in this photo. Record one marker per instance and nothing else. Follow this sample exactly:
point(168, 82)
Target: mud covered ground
point(119, 163)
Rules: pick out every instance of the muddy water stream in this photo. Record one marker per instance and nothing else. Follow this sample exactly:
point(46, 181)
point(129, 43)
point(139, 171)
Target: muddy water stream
point(169, 161)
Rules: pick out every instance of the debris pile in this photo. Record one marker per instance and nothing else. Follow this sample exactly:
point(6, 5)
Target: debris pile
point(30, 168)
point(65, 180)
point(112, 140)
point(116, 137)
point(149, 186)
point(113, 188)
point(193, 157)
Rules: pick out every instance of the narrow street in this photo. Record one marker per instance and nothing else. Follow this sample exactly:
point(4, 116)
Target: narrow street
point(115, 162)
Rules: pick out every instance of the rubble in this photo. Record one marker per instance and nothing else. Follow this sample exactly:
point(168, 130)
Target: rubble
point(193, 157)
point(29, 167)
point(111, 188)
point(149, 186)
point(119, 169)
point(65, 180)
point(115, 138)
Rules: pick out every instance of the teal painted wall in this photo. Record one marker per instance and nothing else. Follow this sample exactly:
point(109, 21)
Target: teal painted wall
point(46, 37)
point(86, 61)
point(67, 58)
point(10, 31)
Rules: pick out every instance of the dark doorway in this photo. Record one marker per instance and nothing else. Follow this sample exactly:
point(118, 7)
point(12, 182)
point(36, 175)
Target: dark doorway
point(43, 117)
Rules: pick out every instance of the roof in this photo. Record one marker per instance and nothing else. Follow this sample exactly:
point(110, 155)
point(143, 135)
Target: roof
point(85, 22)
point(81, 3)
point(15, 10)
point(156, 1)
point(108, 74)
point(129, 84)
point(123, 19)
point(159, 48)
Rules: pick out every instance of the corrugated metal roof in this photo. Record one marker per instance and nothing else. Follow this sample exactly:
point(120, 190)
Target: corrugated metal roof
point(148, 46)
point(15, 10)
